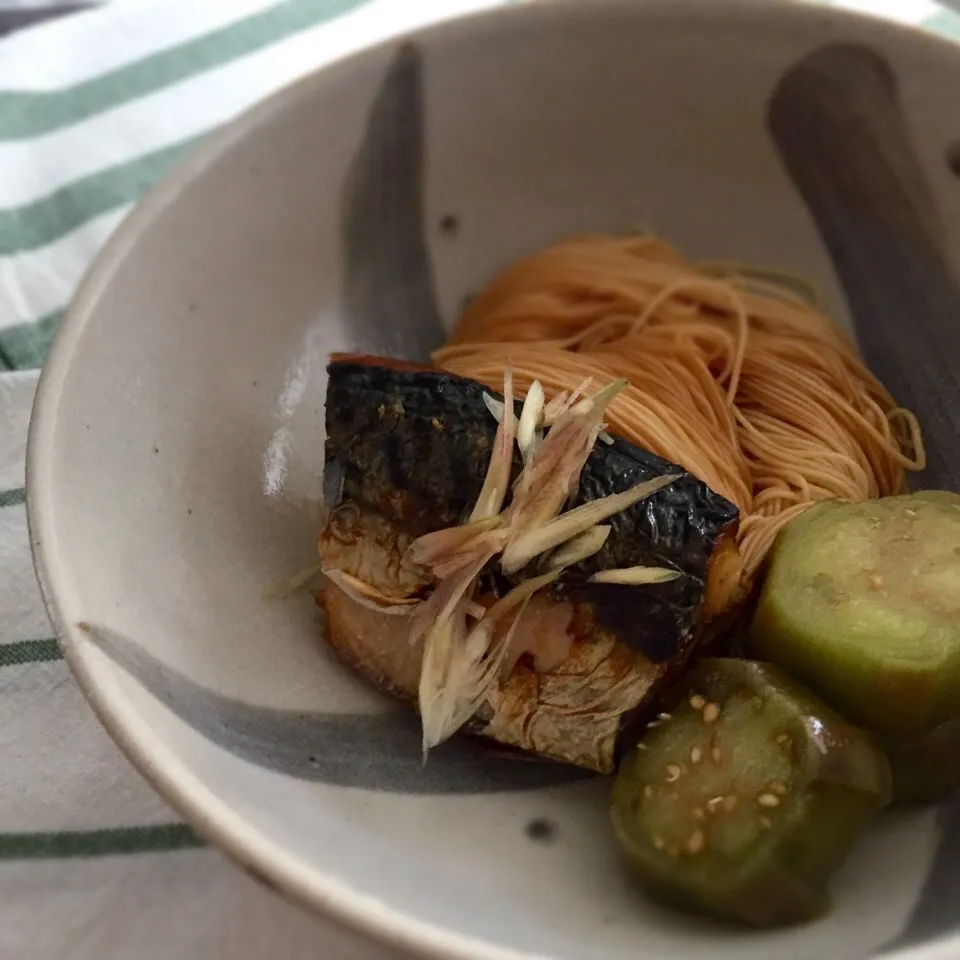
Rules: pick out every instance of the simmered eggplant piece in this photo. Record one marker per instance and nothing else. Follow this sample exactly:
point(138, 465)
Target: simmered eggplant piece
point(746, 796)
point(925, 767)
point(862, 603)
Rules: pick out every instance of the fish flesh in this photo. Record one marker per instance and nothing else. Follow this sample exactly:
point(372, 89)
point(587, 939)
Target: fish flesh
point(407, 452)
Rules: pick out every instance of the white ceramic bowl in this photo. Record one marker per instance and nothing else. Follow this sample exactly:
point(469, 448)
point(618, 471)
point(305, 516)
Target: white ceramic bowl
point(176, 446)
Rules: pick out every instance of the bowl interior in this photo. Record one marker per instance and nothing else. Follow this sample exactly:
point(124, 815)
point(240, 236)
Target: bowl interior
point(178, 443)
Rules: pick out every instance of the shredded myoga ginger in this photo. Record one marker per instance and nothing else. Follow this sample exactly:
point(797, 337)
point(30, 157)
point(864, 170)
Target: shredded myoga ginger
point(736, 377)
point(463, 661)
point(466, 646)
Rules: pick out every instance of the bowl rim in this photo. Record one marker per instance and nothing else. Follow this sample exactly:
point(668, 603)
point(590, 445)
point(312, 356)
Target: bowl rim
point(256, 853)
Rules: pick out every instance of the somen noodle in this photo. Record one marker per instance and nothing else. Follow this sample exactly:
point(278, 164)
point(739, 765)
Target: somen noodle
point(737, 376)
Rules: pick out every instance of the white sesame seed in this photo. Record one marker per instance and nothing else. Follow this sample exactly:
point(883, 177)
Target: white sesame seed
point(768, 800)
point(664, 716)
point(714, 804)
point(658, 842)
point(699, 814)
point(696, 754)
point(648, 791)
point(673, 772)
point(697, 702)
point(778, 788)
point(765, 823)
point(710, 713)
point(696, 842)
point(717, 756)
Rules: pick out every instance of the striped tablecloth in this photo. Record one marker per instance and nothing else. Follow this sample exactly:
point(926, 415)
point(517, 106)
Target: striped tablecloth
point(94, 108)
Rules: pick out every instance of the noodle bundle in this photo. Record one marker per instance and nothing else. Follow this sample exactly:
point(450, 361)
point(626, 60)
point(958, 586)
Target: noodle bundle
point(736, 376)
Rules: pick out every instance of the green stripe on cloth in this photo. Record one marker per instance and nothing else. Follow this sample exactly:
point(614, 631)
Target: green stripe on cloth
point(29, 651)
point(24, 346)
point(30, 114)
point(13, 498)
point(43, 221)
point(97, 843)
point(946, 23)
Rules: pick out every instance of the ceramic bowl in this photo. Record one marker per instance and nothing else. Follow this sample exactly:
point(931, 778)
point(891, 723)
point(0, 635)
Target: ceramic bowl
point(176, 447)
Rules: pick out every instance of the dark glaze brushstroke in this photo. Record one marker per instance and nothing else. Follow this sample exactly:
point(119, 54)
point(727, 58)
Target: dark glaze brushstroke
point(380, 752)
point(388, 290)
point(414, 444)
point(837, 121)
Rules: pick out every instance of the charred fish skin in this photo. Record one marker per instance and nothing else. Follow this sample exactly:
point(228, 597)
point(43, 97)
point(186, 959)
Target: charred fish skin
point(414, 443)
point(680, 527)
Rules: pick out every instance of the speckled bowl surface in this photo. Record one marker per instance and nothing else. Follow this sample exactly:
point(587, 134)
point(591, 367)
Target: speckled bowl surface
point(175, 453)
